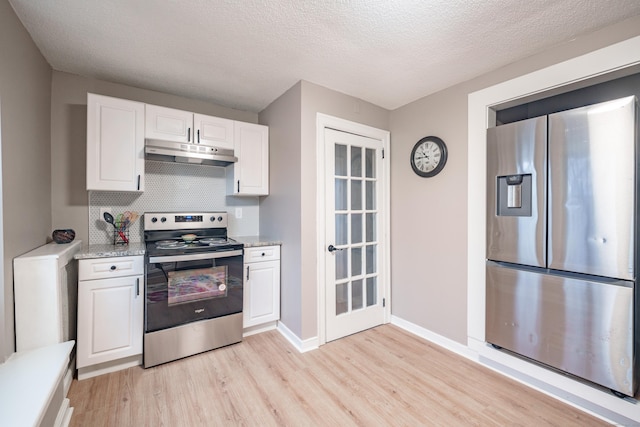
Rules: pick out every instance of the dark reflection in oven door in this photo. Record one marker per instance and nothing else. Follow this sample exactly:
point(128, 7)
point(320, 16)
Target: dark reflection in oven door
point(198, 284)
point(188, 291)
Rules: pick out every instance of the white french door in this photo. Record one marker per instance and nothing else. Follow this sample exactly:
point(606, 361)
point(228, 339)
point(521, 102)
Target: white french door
point(354, 236)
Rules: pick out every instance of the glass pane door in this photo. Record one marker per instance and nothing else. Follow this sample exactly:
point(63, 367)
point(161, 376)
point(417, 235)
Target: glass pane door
point(353, 230)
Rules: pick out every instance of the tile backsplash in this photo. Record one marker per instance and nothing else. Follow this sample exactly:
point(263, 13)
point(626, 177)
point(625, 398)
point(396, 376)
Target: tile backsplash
point(172, 187)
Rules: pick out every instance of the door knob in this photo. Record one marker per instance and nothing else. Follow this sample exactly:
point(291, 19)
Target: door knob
point(332, 248)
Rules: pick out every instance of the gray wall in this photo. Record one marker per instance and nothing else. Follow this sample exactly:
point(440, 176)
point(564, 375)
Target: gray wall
point(428, 218)
point(289, 213)
point(69, 208)
point(429, 264)
point(43, 176)
point(318, 99)
point(25, 94)
point(280, 212)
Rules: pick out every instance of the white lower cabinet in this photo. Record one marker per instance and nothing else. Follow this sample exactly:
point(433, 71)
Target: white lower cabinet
point(261, 288)
point(110, 314)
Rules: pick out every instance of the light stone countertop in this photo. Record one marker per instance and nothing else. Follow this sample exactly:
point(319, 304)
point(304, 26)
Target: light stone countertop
point(255, 241)
point(108, 251)
point(133, 249)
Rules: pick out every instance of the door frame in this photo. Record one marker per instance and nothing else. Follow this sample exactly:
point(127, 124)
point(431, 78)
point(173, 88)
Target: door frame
point(324, 121)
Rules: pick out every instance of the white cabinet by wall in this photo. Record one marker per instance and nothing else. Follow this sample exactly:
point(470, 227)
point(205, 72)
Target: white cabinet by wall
point(250, 174)
point(169, 124)
point(110, 314)
point(262, 288)
point(45, 288)
point(115, 144)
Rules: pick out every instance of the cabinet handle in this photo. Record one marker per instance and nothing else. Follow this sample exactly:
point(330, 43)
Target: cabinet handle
point(188, 134)
point(238, 186)
point(263, 254)
point(138, 286)
point(198, 136)
point(138, 182)
point(113, 267)
point(248, 267)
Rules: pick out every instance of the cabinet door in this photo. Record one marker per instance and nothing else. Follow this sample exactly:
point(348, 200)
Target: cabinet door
point(168, 124)
point(251, 171)
point(115, 144)
point(213, 131)
point(261, 293)
point(110, 319)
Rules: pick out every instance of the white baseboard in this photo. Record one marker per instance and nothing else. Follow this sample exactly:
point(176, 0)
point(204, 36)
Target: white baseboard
point(107, 367)
point(252, 330)
point(428, 335)
point(301, 345)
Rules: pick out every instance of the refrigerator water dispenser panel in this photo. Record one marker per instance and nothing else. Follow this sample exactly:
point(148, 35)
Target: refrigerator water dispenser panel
point(514, 195)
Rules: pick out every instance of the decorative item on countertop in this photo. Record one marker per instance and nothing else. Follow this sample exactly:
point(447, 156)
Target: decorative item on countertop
point(121, 225)
point(63, 236)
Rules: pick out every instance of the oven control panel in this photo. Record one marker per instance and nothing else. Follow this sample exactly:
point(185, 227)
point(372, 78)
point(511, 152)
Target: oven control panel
point(188, 218)
point(182, 220)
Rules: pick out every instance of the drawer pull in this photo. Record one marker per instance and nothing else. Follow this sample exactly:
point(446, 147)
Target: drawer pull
point(263, 254)
point(113, 267)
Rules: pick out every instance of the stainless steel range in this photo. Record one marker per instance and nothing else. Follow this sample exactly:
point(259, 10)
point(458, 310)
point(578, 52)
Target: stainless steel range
point(193, 285)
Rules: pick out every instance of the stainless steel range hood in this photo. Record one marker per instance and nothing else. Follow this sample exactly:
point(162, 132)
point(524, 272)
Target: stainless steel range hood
point(178, 152)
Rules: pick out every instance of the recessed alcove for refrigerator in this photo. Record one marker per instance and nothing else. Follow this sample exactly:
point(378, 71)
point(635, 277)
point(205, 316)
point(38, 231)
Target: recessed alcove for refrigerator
point(562, 228)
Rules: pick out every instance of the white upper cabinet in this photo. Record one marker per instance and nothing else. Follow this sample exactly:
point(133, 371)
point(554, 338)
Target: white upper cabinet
point(115, 144)
point(213, 131)
point(169, 124)
point(251, 173)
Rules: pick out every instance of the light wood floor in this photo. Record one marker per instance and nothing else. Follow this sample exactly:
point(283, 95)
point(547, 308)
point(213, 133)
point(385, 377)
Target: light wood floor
point(383, 376)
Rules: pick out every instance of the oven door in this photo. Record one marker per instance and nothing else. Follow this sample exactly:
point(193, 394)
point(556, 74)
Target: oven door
point(187, 288)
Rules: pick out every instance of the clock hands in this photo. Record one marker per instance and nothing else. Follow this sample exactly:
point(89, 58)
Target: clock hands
point(428, 156)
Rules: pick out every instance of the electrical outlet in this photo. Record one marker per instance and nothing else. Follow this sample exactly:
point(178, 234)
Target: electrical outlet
point(102, 212)
point(238, 213)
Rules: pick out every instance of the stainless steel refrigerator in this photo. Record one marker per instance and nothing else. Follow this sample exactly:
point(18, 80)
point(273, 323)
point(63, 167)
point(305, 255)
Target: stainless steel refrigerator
point(562, 229)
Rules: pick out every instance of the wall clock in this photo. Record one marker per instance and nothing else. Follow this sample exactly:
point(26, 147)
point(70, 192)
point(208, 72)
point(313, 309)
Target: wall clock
point(428, 156)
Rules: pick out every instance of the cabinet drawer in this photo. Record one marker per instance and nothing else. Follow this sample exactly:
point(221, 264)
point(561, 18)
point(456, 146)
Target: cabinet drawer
point(100, 268)
point(262, 253)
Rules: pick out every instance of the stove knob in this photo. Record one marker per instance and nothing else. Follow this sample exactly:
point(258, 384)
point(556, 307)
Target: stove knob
point(154, 219)
point(163, 219)
point(212, 219)
point(220, 218)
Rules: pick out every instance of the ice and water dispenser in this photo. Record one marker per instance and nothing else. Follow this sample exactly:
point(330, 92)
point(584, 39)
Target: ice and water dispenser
point(514, 195)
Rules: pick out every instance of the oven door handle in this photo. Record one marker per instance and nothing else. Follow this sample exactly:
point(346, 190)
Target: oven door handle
point(195, 257)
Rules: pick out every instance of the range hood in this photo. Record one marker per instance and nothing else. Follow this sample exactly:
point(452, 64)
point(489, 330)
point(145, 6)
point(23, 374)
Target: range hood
point(179, 152)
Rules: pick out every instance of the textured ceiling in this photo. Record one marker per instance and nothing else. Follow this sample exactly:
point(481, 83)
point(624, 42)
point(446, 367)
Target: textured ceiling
point(245, 53)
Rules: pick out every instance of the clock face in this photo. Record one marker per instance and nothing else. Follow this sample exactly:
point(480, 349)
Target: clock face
point(429, 156)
